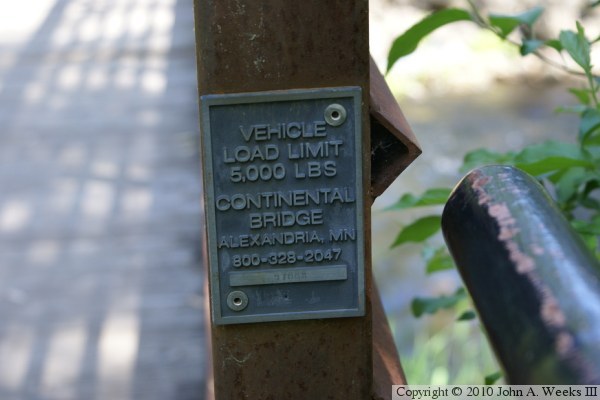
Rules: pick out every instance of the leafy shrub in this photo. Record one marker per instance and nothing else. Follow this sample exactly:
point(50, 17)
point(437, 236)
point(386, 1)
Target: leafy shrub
point(570, 171)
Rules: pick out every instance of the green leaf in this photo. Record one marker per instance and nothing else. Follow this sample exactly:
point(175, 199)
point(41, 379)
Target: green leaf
point(419, 230)
point(589, 202)
point(591, 242)
point(431, 197)
point(440, 260)
point(576, 109)
point(568, 184)
point(467, 316)
point(583, 95)
point(591, 227)
point(555, 44)
point(595, 4)
point(480, 157)
point(507, 23)
point(593, 140)
point(409, 40)
point(493, 378)
point(590, 121)
point(591, 184)
point(550, 156)
point(530, 46)
point(431, 305)
point(577, 46)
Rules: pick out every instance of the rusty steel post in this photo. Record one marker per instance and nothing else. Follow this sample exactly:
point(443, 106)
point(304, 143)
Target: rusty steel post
point(255, 46)
point(393, 143)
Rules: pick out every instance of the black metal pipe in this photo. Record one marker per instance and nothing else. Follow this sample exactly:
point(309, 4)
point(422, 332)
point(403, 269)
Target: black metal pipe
point(534, 284)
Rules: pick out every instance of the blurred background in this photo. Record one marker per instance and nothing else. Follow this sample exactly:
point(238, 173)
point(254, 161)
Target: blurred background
point(100, 278)
point(100, 218)
point(462, 89)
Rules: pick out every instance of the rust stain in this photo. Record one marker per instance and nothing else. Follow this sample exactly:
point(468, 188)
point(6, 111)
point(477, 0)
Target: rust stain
point(537, 250)
point(508, 230)
point(508, 225)
point(550, 312)
point(478, 183)
point(522, 261)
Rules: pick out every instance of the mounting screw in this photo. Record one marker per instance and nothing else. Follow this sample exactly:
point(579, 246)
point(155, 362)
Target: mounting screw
point(335, 114)
point(237, 300)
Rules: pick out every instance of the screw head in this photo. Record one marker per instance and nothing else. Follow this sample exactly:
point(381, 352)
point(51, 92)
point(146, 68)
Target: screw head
point(237, 300)
point(335, 114)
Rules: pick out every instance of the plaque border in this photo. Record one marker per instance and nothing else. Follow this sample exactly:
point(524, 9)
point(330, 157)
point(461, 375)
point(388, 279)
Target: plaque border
point(206, 102)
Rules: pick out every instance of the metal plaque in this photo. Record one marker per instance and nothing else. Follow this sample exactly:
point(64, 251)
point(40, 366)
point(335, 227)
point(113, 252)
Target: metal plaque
point(284, 204)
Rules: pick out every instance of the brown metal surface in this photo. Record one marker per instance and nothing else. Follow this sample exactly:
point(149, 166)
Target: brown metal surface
point(245, 46)
point(393, 143)
point(387, 370)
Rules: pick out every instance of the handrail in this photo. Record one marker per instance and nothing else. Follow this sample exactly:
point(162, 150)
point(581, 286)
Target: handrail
point(534, 284)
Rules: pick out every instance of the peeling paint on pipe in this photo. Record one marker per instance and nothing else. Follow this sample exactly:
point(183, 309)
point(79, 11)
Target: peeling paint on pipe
point(534, 284)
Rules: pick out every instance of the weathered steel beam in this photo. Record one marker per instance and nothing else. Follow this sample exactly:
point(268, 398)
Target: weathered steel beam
point(534, 284)
point(393, 143)
point(387, 370)
point(250, 46)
